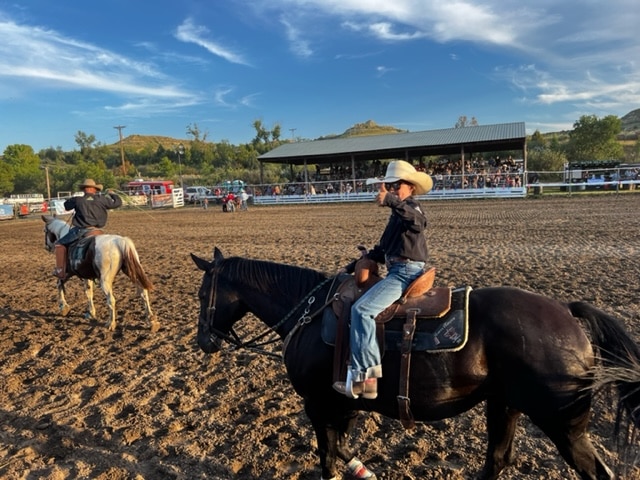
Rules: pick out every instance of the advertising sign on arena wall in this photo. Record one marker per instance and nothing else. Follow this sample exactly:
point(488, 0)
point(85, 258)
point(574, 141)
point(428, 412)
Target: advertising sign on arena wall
point(164, 200)
point(6, 212)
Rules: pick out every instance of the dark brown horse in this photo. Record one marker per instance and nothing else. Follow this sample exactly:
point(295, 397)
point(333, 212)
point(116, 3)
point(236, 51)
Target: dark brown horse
point(526, 353)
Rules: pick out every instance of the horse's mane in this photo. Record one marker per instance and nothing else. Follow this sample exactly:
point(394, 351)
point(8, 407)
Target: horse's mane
point(273, 278)
point(58, 227)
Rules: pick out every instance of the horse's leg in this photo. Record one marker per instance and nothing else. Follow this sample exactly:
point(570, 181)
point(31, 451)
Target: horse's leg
point(63, 306)
point(151, 317)
point(88, 291)
point(501, 429)
point(108, 266)
point(332, 433)
point(573, 442)
point(107, 287)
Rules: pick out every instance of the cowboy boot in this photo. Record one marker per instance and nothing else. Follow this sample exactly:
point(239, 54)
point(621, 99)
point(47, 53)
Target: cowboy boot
point(368, 388)
point(61, 262)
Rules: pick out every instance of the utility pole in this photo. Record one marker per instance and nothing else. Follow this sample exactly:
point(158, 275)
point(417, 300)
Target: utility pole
point(119, 128)
point(46, 171)
point(292, 130)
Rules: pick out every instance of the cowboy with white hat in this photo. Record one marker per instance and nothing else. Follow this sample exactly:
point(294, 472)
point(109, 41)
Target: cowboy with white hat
point(90, 213)
point(403, 247)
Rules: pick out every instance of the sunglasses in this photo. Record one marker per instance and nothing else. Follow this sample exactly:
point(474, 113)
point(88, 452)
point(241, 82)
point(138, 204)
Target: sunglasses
point(395, 185)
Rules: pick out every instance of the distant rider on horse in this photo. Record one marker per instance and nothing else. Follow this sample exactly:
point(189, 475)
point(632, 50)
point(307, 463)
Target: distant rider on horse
point(90, 214)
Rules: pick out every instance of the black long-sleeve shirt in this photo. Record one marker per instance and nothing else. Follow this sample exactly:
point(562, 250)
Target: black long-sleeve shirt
point(91, 210)
point(404, 234)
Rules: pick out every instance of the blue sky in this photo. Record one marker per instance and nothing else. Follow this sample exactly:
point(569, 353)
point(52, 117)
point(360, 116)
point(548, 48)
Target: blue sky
point(316, 67)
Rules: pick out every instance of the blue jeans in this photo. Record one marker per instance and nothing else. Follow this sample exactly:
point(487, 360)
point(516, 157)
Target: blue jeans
point(365, 354)
point(72, 235)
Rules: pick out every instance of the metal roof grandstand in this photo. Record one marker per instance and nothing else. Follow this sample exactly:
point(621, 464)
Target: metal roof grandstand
point(464, 140)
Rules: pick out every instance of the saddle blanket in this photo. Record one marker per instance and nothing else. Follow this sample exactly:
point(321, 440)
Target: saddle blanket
point(448, 333)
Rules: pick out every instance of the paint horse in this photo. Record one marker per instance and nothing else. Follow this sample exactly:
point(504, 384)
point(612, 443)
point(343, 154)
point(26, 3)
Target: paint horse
point(96, 259)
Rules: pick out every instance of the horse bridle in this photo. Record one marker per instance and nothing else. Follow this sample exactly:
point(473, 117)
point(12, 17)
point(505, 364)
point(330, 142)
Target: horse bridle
point(48, 235)
point(234, 339)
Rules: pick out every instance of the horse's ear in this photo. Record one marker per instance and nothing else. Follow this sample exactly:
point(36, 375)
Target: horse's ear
point(201, 263)
point(217, 255)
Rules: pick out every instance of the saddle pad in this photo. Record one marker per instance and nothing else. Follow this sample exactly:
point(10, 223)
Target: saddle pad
point(79, 249)
point(445, 334)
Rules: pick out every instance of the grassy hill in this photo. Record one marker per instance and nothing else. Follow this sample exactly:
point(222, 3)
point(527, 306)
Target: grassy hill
point(631, 121)
point(365, 129)
point(138, 143)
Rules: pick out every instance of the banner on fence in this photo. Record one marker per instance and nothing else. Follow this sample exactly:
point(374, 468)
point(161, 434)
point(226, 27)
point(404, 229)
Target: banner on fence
point(6, 212)
point(163, 200)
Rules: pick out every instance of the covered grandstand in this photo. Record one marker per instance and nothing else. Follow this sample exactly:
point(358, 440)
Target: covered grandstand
point(411, 146)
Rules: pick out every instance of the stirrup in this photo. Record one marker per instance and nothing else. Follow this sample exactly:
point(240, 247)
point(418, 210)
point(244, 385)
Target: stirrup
point(368, 389)
point(60, 273)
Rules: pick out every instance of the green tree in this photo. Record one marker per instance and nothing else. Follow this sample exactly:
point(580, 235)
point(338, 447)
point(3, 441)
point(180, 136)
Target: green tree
point(265, 139)
point(194, 131)
point(595, 139)
point(545, 160)
point(6, 179)
point(24, 165)
point(167, 168)
point(536, 142)
point(463, 121)
point(84, 141)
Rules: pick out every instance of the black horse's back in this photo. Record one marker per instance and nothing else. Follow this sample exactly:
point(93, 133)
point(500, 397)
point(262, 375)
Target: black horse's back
point(537, 355)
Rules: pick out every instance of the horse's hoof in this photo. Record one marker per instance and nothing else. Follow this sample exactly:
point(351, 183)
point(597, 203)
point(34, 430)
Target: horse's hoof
point(155, 326)
point(64, 310)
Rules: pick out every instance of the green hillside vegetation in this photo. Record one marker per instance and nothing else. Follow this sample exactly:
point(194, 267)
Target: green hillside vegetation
point(137, 143)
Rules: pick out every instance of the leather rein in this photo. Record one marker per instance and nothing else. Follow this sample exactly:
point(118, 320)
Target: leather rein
point(253, 344)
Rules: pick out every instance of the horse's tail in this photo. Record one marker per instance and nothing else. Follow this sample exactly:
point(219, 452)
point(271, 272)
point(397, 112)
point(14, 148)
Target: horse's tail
point(132, 267)
point(620, 355)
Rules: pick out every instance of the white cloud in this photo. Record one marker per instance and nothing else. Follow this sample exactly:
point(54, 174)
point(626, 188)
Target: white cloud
point(223, 97)
point(587, 90)
point(381, 70)
point(44, 57)
point(299, 46)
point(188, 32)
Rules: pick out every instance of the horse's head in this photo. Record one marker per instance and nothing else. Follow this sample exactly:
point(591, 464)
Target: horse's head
point(52, 231)
point(219, 306)
point(276, 294)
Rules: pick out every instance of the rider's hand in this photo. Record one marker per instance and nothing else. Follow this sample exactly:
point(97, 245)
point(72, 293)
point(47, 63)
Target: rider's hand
point(382, 193)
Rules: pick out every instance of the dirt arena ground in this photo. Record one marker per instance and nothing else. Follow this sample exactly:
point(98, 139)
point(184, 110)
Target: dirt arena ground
point(77, 401)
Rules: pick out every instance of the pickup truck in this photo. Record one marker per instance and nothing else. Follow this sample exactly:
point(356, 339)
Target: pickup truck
point(196, 194)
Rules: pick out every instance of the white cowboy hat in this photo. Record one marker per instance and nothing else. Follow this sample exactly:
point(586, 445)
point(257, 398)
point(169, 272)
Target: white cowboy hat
point(90, 182)
point(401, 170)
